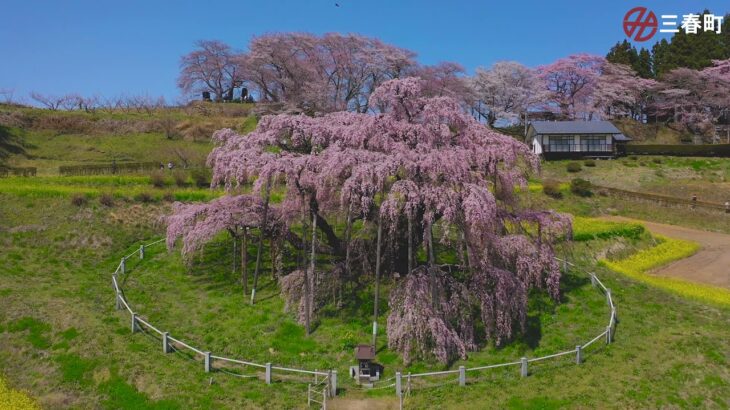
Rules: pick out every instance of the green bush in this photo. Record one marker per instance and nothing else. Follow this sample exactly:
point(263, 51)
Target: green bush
point(180, 177)
point(106, 199)
point(551, 188)
point(589, 163)
point(158, 179)
point(144, 197)
point(201, 177)
point(581, 187)
point(79, 199)
point(573, 167)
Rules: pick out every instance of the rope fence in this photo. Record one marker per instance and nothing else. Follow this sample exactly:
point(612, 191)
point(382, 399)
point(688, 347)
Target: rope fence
point(318, 392)
point(523, 363)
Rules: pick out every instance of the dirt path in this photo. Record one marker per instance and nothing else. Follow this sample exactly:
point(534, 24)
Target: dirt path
point(710, 265)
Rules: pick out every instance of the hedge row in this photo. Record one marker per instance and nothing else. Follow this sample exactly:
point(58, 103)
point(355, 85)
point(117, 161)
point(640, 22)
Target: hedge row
point(587, 229)
point(18, 171)
point(710, 150)
point(113, 168)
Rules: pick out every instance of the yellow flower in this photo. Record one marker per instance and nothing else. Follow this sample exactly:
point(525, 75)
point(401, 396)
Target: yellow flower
point(668, 250)
point(14, 400)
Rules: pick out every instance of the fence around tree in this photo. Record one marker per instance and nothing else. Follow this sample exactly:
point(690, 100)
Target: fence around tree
point(324, 382)
point(405, 383)
point(324, 385)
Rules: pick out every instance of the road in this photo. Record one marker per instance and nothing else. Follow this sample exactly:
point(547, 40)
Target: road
point(710, 265)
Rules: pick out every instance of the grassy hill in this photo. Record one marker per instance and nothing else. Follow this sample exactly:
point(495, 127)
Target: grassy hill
point(50, 139)
point(62, 341)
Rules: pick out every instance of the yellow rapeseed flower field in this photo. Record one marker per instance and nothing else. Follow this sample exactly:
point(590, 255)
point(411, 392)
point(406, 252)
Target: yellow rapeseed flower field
point(14, 400)
point(668, 250)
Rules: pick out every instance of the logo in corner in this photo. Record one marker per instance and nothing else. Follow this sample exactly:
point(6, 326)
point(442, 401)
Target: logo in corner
point(640, 24)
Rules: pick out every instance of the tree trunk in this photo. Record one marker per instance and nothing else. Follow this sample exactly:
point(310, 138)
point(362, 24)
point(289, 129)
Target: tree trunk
point(261, 242)
point(348, 235)
point(377, 283)
point(307, 288)
point(234, 251)
point(432, 269)
point(410, 245)
point(244, 261)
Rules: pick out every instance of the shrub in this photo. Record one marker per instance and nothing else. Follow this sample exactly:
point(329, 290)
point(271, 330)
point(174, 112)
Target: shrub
point(201, 177)
point(581, 187)
point(181, 178)
point(642, 163)
point(79, 199)
point(158, 179)
point(633, 157)
point(657, 160)
point(589, 163)
point(168, 197)
point(551, 188)
point(586, 229)
point(573, 167)
point(144, 197)
point(106, 199)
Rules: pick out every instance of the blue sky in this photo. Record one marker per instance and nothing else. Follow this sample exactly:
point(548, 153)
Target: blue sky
point(133, 47)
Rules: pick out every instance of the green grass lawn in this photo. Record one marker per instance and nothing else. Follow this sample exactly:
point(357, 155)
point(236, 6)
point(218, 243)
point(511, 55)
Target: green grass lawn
point(709, 178)
point(47, 150)
point(62, 340)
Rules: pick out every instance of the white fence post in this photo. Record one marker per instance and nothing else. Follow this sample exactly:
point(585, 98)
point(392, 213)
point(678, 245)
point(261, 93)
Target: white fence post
point(523, 367)
point(324, 399)
point(608, 335)
point(141, 251)
point(309, 395)
point(608, 296)
point(134, 322)
point(578, 354)
point(124, 265)
point(119, 300)
point(207, 362)
point(462, 376)
point(398, 391)
point(333, 383)
point(593, 280)
point(268, 373)
point(165, 343)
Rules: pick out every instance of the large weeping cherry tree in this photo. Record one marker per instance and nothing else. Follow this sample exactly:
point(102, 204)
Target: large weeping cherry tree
point(428, 182)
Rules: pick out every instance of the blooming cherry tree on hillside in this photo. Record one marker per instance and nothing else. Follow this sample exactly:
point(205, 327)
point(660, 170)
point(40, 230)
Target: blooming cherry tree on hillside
point(419, 174)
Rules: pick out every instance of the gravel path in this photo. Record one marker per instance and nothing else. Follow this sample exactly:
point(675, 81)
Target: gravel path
point(710, 265)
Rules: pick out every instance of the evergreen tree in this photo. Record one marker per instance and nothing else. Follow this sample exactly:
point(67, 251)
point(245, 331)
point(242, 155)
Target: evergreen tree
point(694, 51)
point(623, 53)
point(643, 65)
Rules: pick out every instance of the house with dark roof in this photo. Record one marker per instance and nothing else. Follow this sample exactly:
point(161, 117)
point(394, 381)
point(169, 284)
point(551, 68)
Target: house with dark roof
point(576, 139)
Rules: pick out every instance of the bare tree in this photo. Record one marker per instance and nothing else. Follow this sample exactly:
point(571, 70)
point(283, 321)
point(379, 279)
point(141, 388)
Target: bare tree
point(213, 67)
point(51, 102)
point(6, 95)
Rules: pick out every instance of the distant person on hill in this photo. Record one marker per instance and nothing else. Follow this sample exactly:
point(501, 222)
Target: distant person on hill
point(169, 165)
point(727, 207)
point(694, 201)
point(162, 166)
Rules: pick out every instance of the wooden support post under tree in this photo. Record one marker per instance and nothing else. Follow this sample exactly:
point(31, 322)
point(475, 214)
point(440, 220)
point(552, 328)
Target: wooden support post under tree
point(262, 227)
point(348, 235)
point(377, 281)
point(307, 288)
point(410, 244)
point(244, 261)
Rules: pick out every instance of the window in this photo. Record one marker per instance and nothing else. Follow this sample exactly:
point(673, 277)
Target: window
point(560, 143)
point(594, 143)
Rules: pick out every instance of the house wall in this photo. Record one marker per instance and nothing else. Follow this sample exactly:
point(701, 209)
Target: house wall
point(542, 140)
